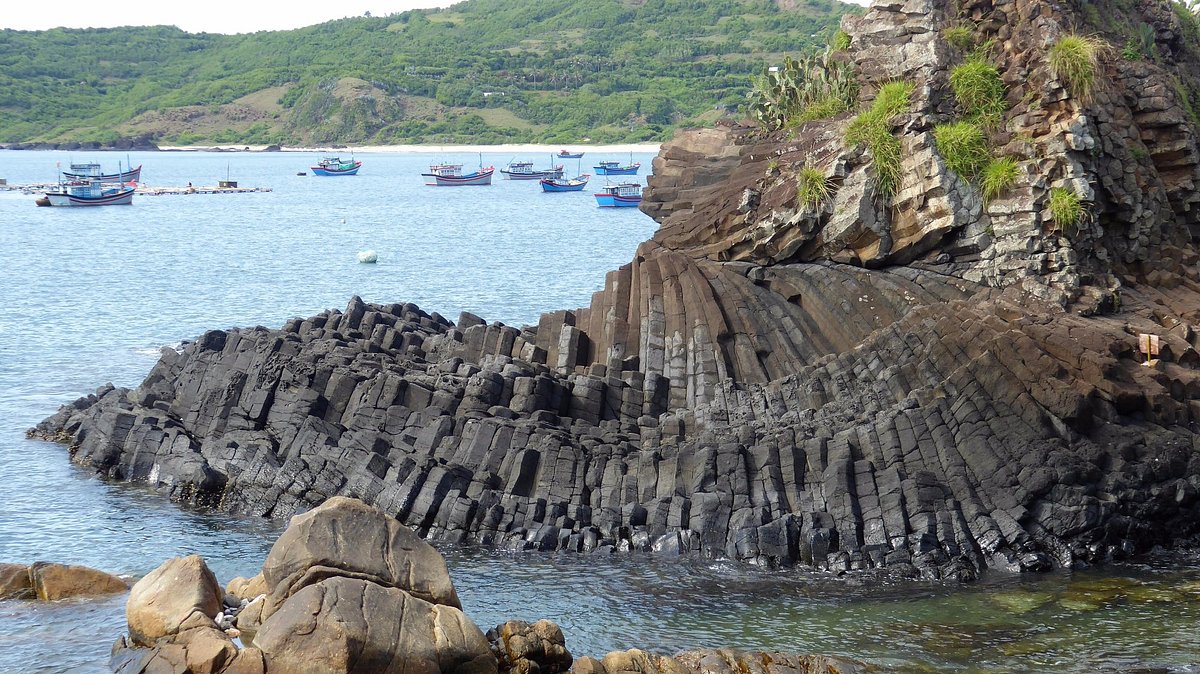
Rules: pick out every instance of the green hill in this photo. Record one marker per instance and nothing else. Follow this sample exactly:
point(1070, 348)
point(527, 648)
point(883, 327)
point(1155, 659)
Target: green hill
point(481, 71)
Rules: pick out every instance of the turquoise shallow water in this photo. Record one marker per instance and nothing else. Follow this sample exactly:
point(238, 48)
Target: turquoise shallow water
point(88, 296)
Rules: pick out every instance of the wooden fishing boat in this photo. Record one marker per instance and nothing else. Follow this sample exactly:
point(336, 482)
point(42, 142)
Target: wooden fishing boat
point(615, 168)
point(336, 166)
point(565, 184)
point(91, 171)
point(447, 175)
point(564, 154)
point(625, 195)
point(523, 170)
point(91, 193)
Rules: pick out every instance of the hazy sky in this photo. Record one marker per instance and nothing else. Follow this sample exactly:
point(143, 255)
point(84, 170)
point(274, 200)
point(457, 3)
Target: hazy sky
point(212, 16)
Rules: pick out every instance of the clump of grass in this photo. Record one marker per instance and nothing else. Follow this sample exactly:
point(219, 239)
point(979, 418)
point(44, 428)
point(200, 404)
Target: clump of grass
point(961, 38)
point(963, 146)
point(812, 187)
point(980, 91)
point(840, 41)
point(873, 128)
point(1066, 208)
point(999, 175)
point(1076, 60)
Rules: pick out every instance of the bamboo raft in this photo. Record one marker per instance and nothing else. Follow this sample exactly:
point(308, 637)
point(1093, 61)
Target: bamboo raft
point(37, 188)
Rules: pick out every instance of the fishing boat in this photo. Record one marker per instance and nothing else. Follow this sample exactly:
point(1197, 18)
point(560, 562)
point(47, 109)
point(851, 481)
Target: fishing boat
point(624, 195)
point(565, 184)
point(91, 171)
point(336, 166)
point(614, 168)
point(91, 193)
point(446, 175)
point(564, 154)
point(523, 170)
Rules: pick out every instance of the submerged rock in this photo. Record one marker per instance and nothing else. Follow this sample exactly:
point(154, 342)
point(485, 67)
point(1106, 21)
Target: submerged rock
point(50, 582)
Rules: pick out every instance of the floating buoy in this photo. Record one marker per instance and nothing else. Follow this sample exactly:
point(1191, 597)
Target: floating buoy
point(368, 257)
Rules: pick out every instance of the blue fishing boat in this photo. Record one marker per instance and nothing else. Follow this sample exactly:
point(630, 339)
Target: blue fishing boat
point(448, 175)
point(565, 184)
point(614, 168)
point(523, 170)
point(564, 154)
point(94, 172)
point(336, 166)
point(625, 195)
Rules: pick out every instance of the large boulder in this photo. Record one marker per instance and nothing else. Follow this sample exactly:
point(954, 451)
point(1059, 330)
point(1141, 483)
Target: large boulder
point(342, 625)
point(60, 581)
point(348, 538)
point(180, 591)
point(14, 582)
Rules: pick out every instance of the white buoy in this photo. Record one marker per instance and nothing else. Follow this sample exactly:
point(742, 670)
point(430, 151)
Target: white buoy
point(368, 257)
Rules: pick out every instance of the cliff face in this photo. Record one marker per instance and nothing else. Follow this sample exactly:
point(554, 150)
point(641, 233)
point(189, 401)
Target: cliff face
point(923, 382)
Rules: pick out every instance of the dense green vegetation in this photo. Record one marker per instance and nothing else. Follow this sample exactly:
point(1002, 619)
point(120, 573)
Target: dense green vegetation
point(480, 71)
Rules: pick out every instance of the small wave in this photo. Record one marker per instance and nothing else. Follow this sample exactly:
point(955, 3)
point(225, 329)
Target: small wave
point(177, 347)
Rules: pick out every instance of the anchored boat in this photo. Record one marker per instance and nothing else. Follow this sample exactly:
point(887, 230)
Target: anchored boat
point(564, 154)
point(336, 166)
point(447, 175)
point(565, 184)
point(615, 168)
point(625, 195)
point(83, 172)
point(523, 170)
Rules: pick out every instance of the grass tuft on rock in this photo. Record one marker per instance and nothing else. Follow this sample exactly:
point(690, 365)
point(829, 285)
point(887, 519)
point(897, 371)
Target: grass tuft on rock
point(980, 91)
point(1075, 59)
point(812, 187)
point(963, 146)
point(961, 38)
point(840, 41)
point(873, 128)
point(998, 176)
point(1066, 208)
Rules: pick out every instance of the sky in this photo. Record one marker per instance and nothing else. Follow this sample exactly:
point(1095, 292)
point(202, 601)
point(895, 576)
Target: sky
point(210, 16)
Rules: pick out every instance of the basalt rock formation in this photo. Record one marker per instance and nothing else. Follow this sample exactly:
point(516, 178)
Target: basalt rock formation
point(925, 382)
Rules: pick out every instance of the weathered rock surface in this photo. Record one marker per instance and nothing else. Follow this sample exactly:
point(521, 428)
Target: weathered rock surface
point(349, 625)
point(524, 648)
point(182, 591)
point(348, 538)
point(717, 661)
point(15, 582)
point(931, 385)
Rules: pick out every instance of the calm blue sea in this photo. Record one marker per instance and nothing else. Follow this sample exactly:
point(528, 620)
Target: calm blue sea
point(88, 296)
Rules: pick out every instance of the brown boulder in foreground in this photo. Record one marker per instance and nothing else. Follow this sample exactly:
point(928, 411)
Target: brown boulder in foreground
point(161, 602)
point(61, 581)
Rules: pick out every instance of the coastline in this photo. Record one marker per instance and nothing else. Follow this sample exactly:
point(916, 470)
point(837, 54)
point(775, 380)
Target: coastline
point(418, 149)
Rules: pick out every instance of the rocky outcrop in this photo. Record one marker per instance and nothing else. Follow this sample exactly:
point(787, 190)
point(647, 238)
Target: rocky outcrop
point(50, 582)
point(926, 383)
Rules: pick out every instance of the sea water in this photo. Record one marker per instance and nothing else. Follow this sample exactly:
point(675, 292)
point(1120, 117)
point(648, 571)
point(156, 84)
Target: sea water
point(89, 296)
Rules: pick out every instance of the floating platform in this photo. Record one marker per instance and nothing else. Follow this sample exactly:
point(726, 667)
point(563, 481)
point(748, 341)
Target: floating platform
point(36, 188)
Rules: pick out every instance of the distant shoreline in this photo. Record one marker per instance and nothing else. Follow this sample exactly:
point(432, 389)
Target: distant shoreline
point(434, 149)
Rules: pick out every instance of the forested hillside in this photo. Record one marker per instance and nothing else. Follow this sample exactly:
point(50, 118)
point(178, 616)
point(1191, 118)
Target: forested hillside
point(480, 71)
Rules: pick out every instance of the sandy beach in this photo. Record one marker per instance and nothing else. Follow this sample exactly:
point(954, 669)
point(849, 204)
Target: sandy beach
point(508, 148)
